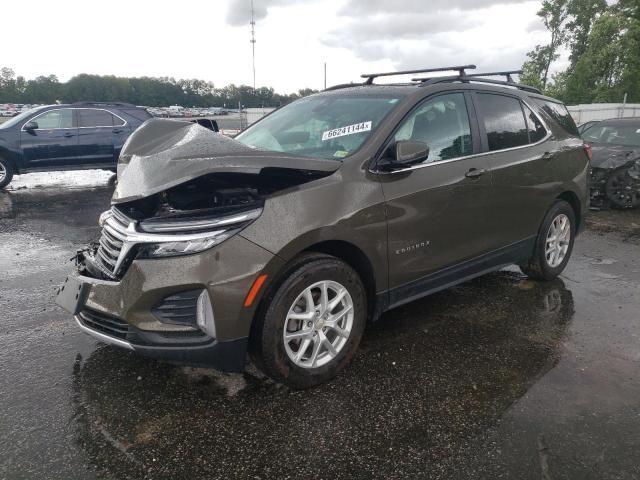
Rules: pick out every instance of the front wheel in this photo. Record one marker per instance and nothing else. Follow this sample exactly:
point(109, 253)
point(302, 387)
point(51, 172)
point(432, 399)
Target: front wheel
point(312, 324)
point(6, 172)
point(554, 243)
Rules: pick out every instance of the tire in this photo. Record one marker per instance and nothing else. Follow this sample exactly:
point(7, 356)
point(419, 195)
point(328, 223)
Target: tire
point(622, 190)
point(276, 356)
point(542, 266)
point(6, 172)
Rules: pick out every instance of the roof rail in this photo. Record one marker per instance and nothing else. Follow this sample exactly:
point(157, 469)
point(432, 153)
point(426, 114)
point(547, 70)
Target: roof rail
point(506, 73)
point(479, 78)
point(460, 69)
point(343, 85)
point(103, 104)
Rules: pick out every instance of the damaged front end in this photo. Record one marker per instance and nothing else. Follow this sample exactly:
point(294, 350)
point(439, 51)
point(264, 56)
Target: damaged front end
point(615, 177)
point(182, 190)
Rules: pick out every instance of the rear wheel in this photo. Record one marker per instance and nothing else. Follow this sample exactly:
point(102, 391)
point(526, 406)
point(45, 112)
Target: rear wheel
point(622, 190)
point(312, 324)
point(554, 243)
point(6, 172)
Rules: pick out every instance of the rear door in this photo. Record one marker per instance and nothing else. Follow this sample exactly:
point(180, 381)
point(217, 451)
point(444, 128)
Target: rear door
point(100, 135)
point(520, 157)
point(437, 210)
point(53, 143)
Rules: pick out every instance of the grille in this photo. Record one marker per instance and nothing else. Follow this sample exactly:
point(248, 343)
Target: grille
point(111, 241)
point(178, 309)
point(114, 327)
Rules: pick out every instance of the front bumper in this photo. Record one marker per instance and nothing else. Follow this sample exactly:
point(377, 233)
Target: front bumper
point(226, 356)
point(124, 313)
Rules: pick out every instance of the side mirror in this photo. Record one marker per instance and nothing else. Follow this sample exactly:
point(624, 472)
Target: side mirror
point(403, 154)
point(30, 126)
point(408, 152)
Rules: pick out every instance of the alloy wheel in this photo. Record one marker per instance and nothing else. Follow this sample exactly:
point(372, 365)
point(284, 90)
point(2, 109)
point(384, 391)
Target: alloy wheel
point(3, 172)
point(318, 324)
point(558, 239)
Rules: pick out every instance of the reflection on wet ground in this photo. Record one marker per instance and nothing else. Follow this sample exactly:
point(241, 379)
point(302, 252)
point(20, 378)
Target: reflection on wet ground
point(498, 378)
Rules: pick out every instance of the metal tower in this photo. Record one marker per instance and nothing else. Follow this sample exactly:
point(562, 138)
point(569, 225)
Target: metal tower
point(253, 46)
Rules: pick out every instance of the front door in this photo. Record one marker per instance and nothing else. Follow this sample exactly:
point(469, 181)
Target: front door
point(436, 211)
point(54, 141)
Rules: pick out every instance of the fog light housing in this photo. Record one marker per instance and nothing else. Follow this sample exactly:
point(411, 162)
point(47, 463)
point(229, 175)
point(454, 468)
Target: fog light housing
point(204, 315)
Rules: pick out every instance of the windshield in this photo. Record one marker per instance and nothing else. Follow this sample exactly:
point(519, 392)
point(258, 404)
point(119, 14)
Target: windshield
point(18, 118)
point(627, 135)
point(320, 126)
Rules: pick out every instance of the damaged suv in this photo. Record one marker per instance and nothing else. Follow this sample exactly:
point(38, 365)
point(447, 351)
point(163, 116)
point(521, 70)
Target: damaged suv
point(615, 166)
point(283, 242)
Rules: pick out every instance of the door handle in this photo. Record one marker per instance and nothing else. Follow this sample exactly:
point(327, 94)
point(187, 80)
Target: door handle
point(117, 130)
point(68, 135)
point(475, 173)
point(547, 156)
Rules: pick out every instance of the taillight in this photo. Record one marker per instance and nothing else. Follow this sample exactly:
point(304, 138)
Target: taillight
point(588, 150)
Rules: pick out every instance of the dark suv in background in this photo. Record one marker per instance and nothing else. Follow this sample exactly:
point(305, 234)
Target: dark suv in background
point(286, 240)
point(66, 137)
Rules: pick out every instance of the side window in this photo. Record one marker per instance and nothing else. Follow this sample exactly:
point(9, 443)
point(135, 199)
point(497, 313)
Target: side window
point(94, 118)
point(53, 119)
point(443, 124)
point(536, 130)
point(503, 121)
point(560, 114)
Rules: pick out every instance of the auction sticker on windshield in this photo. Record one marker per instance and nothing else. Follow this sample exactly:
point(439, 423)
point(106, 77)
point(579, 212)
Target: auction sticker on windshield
point(348, 130)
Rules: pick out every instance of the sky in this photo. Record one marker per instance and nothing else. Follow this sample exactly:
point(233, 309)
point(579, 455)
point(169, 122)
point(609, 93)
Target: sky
point(209, 39)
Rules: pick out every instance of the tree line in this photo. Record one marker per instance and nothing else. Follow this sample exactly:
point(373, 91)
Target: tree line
point(603, 45)
point(147, 91)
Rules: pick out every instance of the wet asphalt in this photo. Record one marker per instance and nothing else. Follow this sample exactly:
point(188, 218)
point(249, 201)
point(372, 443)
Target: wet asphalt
point(500, 377)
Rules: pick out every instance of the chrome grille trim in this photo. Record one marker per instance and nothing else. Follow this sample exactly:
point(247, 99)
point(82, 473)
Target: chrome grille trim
point(111, 251)
point(120, 234)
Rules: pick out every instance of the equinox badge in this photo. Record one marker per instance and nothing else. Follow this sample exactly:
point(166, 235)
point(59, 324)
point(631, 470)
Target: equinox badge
point(413, 248)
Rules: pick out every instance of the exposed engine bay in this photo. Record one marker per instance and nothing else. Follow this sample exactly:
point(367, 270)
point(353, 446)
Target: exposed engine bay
point(216, 194)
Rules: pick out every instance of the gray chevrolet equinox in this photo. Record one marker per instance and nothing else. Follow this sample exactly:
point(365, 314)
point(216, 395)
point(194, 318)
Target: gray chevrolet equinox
point(285, 241)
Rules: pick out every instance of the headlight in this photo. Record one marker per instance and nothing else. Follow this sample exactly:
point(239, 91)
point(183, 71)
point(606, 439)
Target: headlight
point(183, 235)
point(184, 247)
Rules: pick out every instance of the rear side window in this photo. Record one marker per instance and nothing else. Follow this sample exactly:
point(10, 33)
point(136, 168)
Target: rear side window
point(503, 121)
point(560, 114)
point(96, 118)
point(536, 130)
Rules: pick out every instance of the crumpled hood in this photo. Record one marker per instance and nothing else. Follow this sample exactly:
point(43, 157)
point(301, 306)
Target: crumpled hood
point(164, 153)
point(613, 156)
